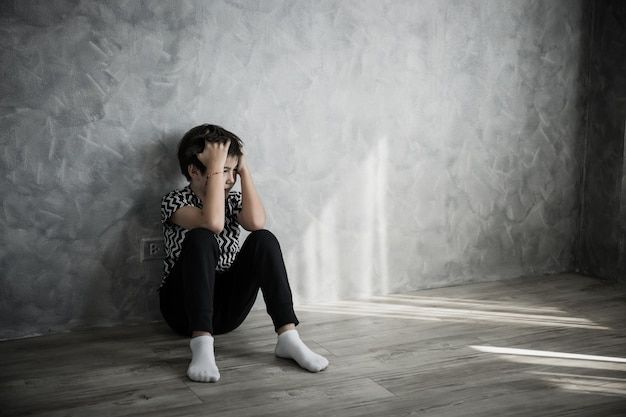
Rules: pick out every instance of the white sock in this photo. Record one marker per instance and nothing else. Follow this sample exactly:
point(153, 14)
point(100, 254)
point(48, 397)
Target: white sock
point(290, 346)
point(202, 367)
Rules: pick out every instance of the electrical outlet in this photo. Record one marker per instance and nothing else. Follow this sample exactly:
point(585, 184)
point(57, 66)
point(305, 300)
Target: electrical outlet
point(152, 248)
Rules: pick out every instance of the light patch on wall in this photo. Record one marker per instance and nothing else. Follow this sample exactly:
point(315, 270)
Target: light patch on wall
point(321, 253)
point(374, 245)
point(330, 238)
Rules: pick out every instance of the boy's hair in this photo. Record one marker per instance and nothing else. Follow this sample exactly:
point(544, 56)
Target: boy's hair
point(193, 143)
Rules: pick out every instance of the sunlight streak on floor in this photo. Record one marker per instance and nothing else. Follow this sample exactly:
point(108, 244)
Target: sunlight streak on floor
point(547, 354)
point(589, 384)
point(550, 358)
point(407, 309)
point(452, 302)
point(585, 383)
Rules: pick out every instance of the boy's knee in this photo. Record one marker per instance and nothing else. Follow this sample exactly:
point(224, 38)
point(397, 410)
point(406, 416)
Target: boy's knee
point(201, 237)
point(263, 236)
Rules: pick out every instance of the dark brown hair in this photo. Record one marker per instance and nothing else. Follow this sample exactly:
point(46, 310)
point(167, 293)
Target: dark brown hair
point(193, 142)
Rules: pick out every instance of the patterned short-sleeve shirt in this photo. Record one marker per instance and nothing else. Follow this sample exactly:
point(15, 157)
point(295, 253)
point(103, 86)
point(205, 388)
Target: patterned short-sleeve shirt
point(228, 239)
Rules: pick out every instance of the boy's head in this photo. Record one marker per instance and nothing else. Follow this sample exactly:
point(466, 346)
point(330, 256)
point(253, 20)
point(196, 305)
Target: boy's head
point(193, 143)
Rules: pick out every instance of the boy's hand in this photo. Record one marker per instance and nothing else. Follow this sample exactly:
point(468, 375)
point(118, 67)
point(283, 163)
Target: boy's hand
point(214, 155)
point(242, 166)
point(252, 215)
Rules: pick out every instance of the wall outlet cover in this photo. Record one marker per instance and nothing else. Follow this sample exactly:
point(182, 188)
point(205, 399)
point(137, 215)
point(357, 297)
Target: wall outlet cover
point(151, 248)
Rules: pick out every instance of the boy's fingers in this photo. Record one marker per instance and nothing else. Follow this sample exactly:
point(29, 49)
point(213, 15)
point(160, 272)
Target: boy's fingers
point(218, 144)
point(219, 147)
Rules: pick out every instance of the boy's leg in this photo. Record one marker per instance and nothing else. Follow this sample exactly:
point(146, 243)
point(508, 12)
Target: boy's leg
point(187, 295)
point(187, 300)
point(259, 265)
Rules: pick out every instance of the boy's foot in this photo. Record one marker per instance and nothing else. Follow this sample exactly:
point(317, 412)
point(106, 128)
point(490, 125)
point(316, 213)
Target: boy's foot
point(202, 367)
point(290, 346)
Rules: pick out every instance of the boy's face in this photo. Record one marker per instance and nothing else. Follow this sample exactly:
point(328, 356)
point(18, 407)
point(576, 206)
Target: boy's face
point(230, 172)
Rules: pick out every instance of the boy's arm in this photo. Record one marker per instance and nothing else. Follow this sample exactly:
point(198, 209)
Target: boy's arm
point(211, 215)
point(252, 214)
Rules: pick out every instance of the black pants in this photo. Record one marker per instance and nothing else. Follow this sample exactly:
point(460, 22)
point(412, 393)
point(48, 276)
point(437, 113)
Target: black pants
point(197, 298)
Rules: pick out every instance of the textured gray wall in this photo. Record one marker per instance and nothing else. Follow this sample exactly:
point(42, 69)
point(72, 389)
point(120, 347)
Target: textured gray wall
point(603, 251)
point(397, 144)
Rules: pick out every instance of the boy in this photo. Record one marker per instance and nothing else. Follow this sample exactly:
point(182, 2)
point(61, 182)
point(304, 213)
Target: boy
point(209, 284)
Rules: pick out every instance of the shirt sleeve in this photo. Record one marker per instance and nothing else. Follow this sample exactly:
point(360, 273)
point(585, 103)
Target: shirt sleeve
point(236, 202)
point(172, 202)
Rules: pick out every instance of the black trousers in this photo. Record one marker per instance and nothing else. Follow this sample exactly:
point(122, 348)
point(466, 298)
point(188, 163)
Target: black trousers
point(197, 298)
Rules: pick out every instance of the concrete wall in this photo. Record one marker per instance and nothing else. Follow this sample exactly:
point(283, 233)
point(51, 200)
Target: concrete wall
point(398, 144)
point(603, 232)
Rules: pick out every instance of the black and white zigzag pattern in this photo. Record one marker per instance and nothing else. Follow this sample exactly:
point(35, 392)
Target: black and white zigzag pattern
point(228, 240)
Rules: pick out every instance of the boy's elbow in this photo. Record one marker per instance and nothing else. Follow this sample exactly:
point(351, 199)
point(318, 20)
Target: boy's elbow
point(217, 230)
point(252, 223)
point(215, 227)
point(257, 224)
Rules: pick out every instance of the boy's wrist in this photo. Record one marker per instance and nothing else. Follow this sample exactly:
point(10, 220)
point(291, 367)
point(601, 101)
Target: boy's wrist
point(243, 170)
point(214, 173)
point(215, 167)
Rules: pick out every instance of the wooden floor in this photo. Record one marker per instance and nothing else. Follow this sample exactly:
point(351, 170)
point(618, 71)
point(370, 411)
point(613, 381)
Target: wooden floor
point(546, 346)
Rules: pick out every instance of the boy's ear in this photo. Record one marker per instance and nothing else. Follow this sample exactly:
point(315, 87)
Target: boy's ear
point(192, 170)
